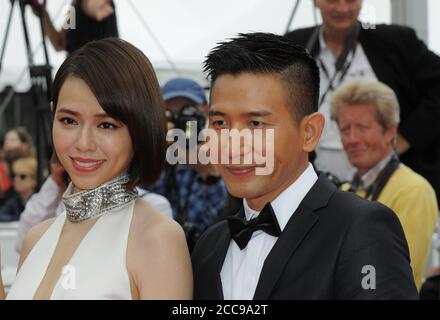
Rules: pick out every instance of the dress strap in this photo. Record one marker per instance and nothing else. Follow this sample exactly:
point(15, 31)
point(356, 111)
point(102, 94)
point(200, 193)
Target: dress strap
point(34, 267)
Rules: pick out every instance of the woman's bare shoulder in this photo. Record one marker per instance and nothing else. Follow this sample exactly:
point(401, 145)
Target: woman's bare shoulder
point(151, 225)
point(158, 257)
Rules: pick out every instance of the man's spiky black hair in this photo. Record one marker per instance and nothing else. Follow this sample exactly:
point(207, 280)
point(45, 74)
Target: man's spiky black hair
point(269, 54)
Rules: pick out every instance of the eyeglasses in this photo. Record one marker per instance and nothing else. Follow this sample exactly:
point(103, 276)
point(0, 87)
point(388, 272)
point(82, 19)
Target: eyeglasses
point(22, 176)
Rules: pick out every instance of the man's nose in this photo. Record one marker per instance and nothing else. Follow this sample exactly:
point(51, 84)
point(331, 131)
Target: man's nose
point(343, 6)
point(354, 136)
point(238, 144)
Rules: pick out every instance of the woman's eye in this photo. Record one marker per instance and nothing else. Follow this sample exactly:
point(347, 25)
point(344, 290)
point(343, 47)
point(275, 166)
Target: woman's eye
point(107, 125)
point(67, 121)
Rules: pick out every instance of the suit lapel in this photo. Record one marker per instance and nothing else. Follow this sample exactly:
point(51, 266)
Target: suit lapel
point(293, 234)
point(223, 241)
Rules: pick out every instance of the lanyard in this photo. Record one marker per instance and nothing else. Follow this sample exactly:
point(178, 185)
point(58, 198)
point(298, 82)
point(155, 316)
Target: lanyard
point(373, 192)
point(382, 180)
point(341, 65)
point(343, 72)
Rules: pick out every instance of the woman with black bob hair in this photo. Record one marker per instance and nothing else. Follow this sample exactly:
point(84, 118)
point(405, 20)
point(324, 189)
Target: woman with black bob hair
point(109, 135)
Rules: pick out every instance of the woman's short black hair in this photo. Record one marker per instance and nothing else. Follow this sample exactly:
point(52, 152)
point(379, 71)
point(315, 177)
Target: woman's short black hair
point(270, 54)
point(124, 82)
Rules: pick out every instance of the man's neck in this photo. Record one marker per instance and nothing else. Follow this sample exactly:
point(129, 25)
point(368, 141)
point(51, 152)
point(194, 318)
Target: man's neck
point(335, 39)
point(361, 172)
point(258, 204)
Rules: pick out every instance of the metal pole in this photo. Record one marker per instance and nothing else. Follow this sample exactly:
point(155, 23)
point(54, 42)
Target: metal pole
point(8, 26)
point(292, 15)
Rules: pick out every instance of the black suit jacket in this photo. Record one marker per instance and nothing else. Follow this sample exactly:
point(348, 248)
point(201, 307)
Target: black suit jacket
point(403, 62)
point(321, 252)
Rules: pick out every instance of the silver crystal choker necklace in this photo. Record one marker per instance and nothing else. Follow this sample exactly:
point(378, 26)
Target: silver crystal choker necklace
point(89, 204)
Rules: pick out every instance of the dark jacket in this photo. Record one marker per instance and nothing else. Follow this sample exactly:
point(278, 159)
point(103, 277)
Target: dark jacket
point(329, 242)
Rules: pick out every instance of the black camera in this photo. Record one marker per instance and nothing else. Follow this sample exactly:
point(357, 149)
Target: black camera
point(190, 120)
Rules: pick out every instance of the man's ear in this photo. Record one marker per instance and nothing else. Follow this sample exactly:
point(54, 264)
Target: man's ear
point(311, 128)
point(391, 133)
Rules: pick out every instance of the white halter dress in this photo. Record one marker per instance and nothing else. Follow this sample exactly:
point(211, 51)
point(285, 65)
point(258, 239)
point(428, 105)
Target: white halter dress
point(97, 269)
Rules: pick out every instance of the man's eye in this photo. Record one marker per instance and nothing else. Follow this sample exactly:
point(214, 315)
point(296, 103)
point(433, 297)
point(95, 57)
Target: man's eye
point(218, 123)
point(255, 123)
point(67, 121)
point(107, 125)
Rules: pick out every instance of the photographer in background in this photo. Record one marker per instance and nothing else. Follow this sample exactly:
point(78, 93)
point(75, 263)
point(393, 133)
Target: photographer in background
point(196, 192)
point(347, 50)
point(368, 114)
point(94, 19)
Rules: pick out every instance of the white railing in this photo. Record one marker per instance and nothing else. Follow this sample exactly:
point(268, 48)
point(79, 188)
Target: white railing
point(9, 257)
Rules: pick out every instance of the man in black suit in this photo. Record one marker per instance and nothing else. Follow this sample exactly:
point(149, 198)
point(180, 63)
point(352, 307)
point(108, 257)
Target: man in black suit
point(296, 236)
point(391, 54)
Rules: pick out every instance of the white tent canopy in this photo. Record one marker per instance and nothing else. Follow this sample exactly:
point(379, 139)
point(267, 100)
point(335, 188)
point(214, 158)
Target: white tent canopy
point(186, 30)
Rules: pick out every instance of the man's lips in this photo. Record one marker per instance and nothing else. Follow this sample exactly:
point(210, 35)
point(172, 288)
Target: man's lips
point(86, 165)
point(355, 152)
point(240, 170)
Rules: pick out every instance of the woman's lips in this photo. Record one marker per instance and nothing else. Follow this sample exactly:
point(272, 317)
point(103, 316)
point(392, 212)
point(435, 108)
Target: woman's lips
point(86, 165)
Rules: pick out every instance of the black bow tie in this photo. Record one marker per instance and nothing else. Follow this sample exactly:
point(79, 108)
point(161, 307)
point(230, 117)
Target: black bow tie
point(241, 230)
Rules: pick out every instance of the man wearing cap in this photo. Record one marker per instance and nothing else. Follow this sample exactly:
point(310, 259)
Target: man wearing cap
point(196, 192)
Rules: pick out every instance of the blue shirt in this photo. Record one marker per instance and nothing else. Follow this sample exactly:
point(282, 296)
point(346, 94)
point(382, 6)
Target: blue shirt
point(192, 200)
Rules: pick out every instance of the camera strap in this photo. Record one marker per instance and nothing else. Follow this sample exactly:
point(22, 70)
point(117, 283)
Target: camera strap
point(184, 211)
point(383, 179)
point(173, 188)
point(374, 191)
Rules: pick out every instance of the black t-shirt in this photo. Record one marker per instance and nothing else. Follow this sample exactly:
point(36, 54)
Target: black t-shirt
point(88, 29)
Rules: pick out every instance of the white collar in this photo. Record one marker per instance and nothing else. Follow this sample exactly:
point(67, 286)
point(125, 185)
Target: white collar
point(288, 201)
point(322, 43)
point(371, 175)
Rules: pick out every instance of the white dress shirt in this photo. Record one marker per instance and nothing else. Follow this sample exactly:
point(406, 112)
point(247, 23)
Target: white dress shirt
point(241, 269)
point(330, 155)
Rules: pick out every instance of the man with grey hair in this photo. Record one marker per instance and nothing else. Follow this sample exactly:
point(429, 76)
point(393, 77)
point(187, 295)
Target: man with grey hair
point(367, 114)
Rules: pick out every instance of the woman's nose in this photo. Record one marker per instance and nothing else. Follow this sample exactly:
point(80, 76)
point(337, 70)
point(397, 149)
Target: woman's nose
point(86, 139)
